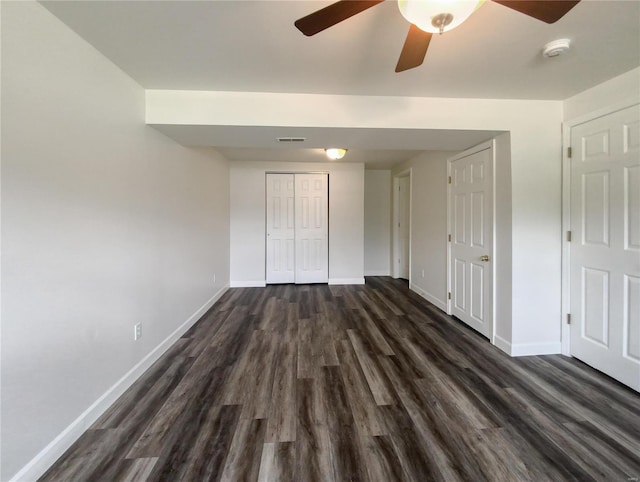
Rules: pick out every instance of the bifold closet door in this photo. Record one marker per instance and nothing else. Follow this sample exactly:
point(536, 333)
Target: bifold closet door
point(297, 228)
point(311, 228)
point(280, 228)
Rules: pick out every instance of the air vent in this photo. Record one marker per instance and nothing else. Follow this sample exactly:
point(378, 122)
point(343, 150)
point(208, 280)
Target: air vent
point(291, 139)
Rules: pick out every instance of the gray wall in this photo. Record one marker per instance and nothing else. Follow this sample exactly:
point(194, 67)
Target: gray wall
point(105, 223)
point(377, 223)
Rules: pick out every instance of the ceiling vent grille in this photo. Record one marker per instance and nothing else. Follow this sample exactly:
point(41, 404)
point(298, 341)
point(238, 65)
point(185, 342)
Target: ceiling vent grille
point(291, 139)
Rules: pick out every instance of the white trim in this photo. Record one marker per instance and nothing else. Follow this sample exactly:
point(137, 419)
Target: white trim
point(395, 268)
point(37, 466)
point(565, 301)
point(530, 349)
point(449, 233)
point(565, 328)
point(247, 284)
point(527, 349)
point(346, 281)
point(502, 344)
point(373, 272)
point(434, 300)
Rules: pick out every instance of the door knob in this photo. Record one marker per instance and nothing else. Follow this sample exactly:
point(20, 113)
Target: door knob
point(484, 258)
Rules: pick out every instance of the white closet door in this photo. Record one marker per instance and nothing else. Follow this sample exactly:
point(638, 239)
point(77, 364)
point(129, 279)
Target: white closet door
point(280, 228)
point(605, 249)
point(311, 228)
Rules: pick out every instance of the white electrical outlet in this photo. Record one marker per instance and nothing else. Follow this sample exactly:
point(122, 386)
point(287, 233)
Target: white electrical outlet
point(137, 331)
point(423, 273)
point(214, 278)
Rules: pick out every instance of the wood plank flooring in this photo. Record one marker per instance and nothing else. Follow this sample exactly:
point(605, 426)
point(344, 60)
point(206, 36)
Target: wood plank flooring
point(356, 383)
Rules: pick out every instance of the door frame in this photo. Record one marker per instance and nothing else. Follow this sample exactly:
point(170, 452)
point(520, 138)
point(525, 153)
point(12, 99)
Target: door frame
point(395, 250)
point(491, 144)
point(565, 289)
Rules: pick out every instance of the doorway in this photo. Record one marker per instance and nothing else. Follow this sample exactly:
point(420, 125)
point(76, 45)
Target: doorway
point(402, 226)
point(471, 263)
point(603, 244)
point(297, 234)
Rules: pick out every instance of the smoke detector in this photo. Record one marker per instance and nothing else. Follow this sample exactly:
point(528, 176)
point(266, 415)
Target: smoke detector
point(557, 47)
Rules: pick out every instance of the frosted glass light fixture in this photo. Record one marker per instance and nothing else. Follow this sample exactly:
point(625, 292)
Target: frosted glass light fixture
point(437, 16)
point(335, 153)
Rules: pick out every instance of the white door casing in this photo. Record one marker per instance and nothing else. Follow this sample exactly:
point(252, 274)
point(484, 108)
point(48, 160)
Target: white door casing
point(311, 228)
point(401, 226)
point(604, 252)
point(471, 261)
point(404, 220)
point(280, 228)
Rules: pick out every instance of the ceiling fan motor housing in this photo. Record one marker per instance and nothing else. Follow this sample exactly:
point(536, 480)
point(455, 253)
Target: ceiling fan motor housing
point(441, 20)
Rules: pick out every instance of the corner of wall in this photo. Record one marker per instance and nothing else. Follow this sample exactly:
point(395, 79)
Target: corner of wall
point(37, 466)
point(622, 90)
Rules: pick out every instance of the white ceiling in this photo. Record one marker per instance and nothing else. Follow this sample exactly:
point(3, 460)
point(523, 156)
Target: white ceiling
point(253, 46)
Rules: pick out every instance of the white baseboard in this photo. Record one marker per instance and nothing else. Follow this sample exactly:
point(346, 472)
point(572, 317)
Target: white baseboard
point(374, 272)
point(502, 344)
point(527, 349)
point(248, 284)
point(346, 281)
point(262, 284)
point(37, 466)
point(434, 300)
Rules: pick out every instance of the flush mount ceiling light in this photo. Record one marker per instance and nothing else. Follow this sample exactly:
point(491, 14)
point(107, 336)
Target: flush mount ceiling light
point(438, 16)
point(557, 47)
point(335, 153)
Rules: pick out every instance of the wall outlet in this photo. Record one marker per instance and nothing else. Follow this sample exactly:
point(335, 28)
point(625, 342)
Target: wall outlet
point(423, 273)
point(214, 278)
point(137, 331)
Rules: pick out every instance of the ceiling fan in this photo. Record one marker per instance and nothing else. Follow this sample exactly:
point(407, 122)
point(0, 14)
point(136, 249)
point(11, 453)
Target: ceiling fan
point(428, 17)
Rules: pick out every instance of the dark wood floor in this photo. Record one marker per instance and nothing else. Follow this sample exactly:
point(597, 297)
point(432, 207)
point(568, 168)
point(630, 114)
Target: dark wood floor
point(356, 383)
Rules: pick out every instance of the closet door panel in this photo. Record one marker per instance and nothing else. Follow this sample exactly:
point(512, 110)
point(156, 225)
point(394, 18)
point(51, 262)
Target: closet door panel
point(311, 228)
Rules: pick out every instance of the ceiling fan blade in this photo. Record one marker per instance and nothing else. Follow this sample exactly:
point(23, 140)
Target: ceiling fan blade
point(414, 49)
point(548, 11)
point(333, 14)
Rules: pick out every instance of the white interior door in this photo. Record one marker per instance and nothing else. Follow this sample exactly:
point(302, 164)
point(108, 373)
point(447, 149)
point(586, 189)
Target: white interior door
point(404, 221)
point(311, 228)
point(471, 245)
point(605, 247)
point(280, 228)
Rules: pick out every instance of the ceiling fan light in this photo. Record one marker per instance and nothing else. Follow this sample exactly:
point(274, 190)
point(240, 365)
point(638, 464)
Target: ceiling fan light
point(335, 153)
point(437, 16)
